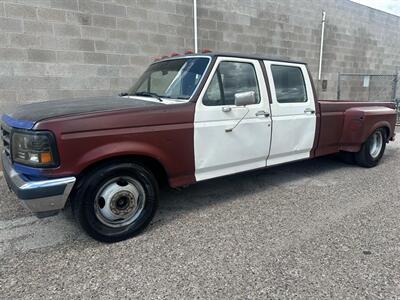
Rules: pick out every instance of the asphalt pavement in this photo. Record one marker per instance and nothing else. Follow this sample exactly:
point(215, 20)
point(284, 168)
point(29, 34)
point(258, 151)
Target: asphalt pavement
point(310, 230)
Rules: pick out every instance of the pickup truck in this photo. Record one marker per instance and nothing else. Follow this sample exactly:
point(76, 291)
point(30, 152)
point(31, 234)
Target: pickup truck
point(188, 118)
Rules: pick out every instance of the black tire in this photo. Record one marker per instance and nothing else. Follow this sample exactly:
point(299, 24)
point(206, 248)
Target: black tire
point(86, 208)
point(364, 158)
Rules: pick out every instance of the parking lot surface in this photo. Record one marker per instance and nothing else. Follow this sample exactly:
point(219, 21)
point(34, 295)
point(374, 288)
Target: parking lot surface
point(313, 229)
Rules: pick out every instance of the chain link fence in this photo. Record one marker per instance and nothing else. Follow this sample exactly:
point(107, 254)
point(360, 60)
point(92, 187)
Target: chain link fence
point(369, 87)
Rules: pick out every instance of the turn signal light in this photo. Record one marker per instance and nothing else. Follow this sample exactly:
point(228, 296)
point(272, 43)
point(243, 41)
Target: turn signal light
point(45, 157)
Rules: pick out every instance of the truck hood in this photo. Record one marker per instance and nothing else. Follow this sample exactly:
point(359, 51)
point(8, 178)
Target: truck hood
point(27, 115)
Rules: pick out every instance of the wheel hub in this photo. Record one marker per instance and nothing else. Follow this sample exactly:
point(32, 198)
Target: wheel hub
point(119, 201)
point(376, 144)
point(122, 203)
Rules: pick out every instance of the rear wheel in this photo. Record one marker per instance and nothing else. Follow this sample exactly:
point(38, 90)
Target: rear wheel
point(116, 201)
point(372, 150)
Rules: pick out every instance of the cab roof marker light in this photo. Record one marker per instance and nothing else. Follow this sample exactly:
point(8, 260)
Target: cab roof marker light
point(189, 51)
point(206, 50)
point(174, 54)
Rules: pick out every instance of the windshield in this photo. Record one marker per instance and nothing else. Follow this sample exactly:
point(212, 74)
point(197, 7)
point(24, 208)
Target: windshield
point(176, 79)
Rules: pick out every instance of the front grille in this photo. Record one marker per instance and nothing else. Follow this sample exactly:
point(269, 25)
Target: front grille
point(6, 137)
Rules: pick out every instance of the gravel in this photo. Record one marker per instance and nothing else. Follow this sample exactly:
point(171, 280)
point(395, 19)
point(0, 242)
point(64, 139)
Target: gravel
point(309, 230)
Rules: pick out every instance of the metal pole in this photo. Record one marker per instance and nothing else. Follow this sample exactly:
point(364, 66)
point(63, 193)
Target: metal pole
point(338, 87)
point(397, 102)
point(321, 52)
point(395, 84)
point(196, 47)
point(369, 88)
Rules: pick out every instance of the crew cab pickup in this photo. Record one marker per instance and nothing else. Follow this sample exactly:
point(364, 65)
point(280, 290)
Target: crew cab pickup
point(188, 118)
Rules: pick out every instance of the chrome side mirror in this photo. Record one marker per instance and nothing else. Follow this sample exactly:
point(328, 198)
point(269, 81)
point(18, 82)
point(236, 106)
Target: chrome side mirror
point(245, 98)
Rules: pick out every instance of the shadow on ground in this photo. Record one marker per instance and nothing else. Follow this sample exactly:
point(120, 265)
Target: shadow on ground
point(25, 232)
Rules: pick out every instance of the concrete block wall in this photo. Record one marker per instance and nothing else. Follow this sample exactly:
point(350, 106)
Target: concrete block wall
point(54, 49)
point(358, 39)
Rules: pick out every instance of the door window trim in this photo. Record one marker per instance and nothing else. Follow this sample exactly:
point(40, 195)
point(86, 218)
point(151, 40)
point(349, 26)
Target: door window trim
point(303, 80)
point(265, 99)
point(303, 67)
point(220, 83)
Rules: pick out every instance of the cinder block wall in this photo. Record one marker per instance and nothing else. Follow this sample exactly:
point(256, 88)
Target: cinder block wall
point(358, 39)
point(54, 49)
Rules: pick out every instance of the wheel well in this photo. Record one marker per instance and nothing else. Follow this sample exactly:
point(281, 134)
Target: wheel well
point(152, 164)
point(387, 130)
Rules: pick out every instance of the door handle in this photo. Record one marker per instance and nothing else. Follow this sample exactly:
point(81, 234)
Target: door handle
point(226, 109)
point(262, 113)
point(309, 110)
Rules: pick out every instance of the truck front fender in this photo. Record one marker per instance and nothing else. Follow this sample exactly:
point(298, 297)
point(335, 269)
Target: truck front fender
point(118, 149)
point(178, 172)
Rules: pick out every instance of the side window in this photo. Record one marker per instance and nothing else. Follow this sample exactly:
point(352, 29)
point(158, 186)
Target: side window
point(229, 79)
point(289, 84)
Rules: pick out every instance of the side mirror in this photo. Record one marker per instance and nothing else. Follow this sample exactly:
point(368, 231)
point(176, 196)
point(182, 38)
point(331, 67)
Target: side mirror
point(245, 98)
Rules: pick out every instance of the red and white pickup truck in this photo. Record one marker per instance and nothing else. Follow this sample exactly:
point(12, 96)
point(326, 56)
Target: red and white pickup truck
point(188, 118)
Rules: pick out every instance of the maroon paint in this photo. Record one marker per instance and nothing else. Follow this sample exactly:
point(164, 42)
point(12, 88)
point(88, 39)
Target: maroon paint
point(344, 125)
point(164, 133)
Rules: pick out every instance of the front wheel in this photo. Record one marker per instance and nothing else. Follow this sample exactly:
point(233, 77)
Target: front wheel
point(116, 201)
point(372, 150)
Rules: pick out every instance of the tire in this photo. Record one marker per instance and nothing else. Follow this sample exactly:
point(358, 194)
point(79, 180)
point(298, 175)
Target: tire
point(116, 201)
point(372, 150)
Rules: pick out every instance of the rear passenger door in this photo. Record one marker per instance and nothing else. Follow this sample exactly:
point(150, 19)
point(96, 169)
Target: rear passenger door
point(293, 112)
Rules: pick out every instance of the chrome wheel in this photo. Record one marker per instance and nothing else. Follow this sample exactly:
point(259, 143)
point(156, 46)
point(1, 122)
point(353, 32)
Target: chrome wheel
point(120, 201)
point(376, 144)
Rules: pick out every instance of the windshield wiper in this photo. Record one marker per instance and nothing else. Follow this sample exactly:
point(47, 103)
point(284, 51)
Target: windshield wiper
point(148, 94)
point(178, 97)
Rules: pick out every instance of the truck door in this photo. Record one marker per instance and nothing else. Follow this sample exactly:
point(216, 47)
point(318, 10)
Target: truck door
point(293, 110)
point(229, 139)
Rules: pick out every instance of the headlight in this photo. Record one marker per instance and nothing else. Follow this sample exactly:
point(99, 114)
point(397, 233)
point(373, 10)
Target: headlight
point(34, 148)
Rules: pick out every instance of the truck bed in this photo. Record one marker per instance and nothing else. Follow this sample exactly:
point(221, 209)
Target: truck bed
point(355, 117)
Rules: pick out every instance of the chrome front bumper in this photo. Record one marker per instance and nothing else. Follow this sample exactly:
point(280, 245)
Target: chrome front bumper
point(42, 197)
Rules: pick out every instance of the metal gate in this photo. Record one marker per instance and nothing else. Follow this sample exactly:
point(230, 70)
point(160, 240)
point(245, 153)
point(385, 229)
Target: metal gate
point(369, 87)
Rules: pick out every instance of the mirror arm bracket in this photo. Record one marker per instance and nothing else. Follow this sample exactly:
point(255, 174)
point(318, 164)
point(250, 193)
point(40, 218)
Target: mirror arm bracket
point(244, 116)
